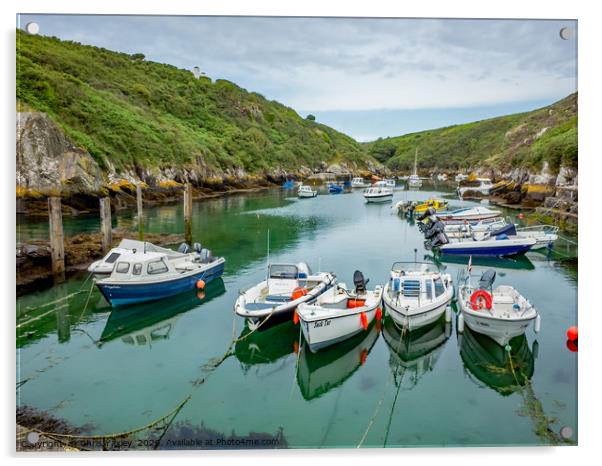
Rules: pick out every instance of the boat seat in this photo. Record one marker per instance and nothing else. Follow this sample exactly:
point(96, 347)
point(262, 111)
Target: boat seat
point(278, 298)
point(503, 299)
point(258, 306)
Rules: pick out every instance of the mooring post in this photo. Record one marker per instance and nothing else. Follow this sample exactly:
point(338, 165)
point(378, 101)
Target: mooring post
point(188, 213)
point(140, 213)
point(55, 233)
point(106, 226)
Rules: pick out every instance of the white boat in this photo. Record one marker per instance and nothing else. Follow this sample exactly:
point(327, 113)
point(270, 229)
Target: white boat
point(469, 214)
point(501, 314)
point(461, 177)
point(390, 183)
point(416, 296)
point(544, 235)
point(305, 191)
point(339, 313)
point(441, 177)
point(359, 183)
point(467, 230)
point(414, 180)
point(378, 192)
point(483, 187)
point(494, 246)
point(104, 266)
point(286, 286)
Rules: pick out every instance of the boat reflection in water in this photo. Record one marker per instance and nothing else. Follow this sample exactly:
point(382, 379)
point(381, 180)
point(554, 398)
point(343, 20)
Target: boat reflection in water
point(320, 372)
point(266, 345)
point(489, 363)
point(145, 324)
point(520, 262)
point(415, 353)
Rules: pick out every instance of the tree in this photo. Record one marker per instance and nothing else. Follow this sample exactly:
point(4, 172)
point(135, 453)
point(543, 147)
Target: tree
point(310, 117)
point(138, 56)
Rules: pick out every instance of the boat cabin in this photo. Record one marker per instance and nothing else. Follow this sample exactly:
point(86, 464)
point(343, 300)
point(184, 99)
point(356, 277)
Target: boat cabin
point(284, 278)
point(417, 285)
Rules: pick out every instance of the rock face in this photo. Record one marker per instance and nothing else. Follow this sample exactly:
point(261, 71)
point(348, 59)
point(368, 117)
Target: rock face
point(48, 162)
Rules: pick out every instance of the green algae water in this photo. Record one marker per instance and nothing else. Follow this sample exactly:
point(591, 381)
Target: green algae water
point(114, 370)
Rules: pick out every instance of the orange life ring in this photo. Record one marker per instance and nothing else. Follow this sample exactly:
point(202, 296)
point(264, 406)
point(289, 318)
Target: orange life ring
point(298, 293)
point(480, 299)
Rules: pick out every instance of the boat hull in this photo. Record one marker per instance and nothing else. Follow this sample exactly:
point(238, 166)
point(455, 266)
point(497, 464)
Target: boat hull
point(416, 317)
point(122, 294)
point(379, 198)
point(470, 248)
point(499, 330)
point(303, 195)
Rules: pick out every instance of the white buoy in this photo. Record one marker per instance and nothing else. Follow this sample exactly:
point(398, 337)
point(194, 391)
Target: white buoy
point(460, 323)
point(448, 312)
point(537, 324)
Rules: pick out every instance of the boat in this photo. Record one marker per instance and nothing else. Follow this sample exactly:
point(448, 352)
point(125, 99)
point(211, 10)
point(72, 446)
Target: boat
point(305, 191)
point(359, 183)
point(501, 313)
point(471, 214)
point(390, 182)
point(437, 204)
point(285, 287)
point(461, 177)
point(544, 235)
point(414, 180)
point(334, 188)
point(378, 192)
point(148, 275)
point(415, 296)
point(318, 373)
point(479, 185)
point(441, 177)
point(339, 313)
point(500, 245)
point(466, 230)
point(288, 184)
point(104, 266)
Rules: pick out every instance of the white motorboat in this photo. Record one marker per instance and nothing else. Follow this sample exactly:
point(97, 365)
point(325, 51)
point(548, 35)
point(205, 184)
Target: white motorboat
point(104, 266)
point(469, 214)
point(390, 183)
point(378, 192)
point(286, 286)
point(339, 313)
point(481, 186)
point(461, 177)
point(500, 242)
point(467, 230)
point(416, 296)
point(305, 191)
point(414, 180)
point(359, 183)
point(501, 314)
point(544, 235)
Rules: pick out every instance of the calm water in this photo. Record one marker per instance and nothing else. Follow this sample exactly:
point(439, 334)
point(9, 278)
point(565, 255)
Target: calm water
point(117, 370)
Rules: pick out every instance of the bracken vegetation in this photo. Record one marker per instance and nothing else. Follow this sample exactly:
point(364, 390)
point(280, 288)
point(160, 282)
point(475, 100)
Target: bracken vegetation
point(525, 139)
point(134, 113)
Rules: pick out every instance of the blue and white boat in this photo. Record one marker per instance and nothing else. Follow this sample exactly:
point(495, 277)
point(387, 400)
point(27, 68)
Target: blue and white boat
point(288, 184)
point(503, 242)
point(148, 275)
point(334, 188)
point(468, 214)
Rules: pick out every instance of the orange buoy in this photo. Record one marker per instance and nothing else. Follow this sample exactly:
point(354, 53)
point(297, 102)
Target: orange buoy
point(298, 293)
point(200, 284)
point(379, 313)
point(521, 216)
point(572, 345)
point(200, 295)
point(572, 333)
point(295, 317)
point(363, 356)
point(352, 303)
point(364, 320)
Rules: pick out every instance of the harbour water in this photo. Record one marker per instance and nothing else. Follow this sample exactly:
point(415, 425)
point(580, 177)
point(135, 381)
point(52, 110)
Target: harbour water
point(113, 370)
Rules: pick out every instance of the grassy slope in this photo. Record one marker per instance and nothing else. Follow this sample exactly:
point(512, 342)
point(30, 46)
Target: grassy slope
point(136, 113)
point(502, 142)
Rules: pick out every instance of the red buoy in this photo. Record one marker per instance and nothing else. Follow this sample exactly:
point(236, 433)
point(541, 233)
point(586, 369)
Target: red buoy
point(572, 333)
point(521, 216)
point(295, 317)
point(364, 320)
point(481, 299)
point(200, 284)
point(379, 313)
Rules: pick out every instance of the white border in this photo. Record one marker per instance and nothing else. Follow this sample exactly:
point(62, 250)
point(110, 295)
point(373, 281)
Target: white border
point(590, 104)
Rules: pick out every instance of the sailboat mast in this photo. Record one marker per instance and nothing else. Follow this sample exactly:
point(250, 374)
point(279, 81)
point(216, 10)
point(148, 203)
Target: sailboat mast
point(415, 162)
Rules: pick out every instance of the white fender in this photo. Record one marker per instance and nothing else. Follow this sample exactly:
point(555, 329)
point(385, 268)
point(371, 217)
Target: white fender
point(537, 324)
point(448, 312)
point(460, 323)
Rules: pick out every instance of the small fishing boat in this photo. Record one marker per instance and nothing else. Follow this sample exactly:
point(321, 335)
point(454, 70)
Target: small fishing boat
point(544, 235)
point(467, 230)
point(378, 192)
point(471, 214)
point(147, 276)
point(414, 180)
point(437, 204)
point(339, 313)
point(359, 183)
point(389, 183)
point(334, 188)
point(305, 191)
point(104, 266)
point(286, 286)
point(415, 296)
point(461, 177)
point(501, 314)
point(479, 185)
point(499, 243)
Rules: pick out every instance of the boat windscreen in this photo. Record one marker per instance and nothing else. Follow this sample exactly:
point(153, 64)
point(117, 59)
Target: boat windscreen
point(283, 271)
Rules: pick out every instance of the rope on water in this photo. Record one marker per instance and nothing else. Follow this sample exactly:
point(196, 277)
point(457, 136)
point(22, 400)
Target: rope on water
point(377, 409)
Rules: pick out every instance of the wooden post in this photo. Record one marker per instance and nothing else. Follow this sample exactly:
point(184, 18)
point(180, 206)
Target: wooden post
point(55, 233)
point(106, 226)
point(188, 213)
point(140, 213)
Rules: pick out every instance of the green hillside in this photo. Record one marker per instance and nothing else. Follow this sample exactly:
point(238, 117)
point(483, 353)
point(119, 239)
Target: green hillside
point(137, 114)
point(524, 139)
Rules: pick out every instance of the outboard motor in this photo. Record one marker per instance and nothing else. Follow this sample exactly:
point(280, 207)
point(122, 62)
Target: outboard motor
point(197, 247)
point(359, 281)
point(206, 256)
point(184, 248)
point(430, 212)
point(487, 279)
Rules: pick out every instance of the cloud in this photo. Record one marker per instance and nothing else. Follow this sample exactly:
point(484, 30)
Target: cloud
point(322, 64)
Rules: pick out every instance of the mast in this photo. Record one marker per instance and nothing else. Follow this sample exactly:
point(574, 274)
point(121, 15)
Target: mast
point(415, 161)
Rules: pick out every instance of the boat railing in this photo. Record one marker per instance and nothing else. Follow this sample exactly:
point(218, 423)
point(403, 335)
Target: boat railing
point(548, 229)
point(400, 266)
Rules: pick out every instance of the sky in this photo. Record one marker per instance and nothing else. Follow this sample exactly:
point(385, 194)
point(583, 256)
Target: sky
point(369, 77)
